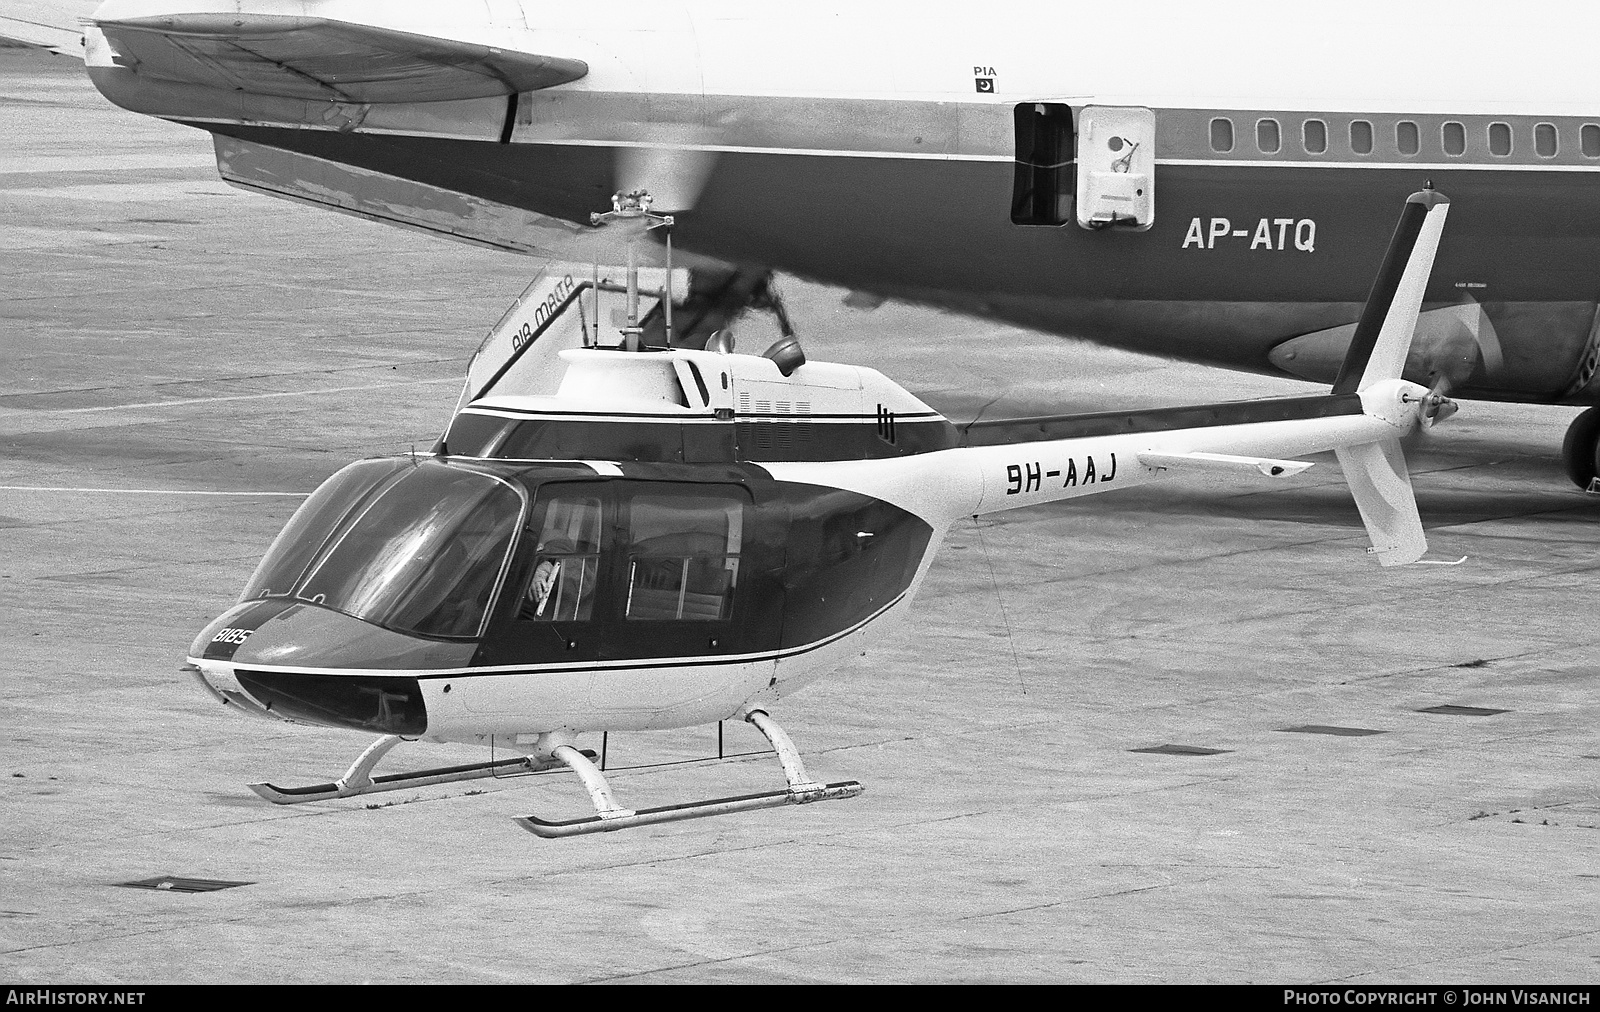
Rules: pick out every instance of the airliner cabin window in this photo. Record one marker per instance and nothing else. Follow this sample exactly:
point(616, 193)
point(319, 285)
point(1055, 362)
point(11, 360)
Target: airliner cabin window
point(1499, 139)
point(1361, 136)
point(1545, 143)
point(1406, 137)
point(1314, 133)
point(1453, 136)
point(1268, 138)
point(567, 564)
point(683, 556)
point(1589, 140)
point(1222, 135)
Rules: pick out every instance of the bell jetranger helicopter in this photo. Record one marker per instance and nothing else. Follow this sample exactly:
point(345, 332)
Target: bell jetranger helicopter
point(614, 536)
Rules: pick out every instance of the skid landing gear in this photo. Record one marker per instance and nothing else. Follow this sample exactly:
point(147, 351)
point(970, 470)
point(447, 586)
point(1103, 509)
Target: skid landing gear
point(610, 816)
point(1580, 449)
point(358, 779)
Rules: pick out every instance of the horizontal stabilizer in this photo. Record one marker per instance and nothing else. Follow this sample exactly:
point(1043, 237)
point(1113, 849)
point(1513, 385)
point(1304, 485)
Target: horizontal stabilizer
point(1224, 463)
point(290, 56)
point(1376, 474)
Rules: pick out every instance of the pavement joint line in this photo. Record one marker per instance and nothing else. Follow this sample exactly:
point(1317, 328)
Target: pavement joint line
point(651, 860)
point(1479, 954)
point(1467, 525)
point(723, 959)
point(109, 517)
point(1409, 592)
point(66, 943)
point(881, 933)
point(267, 817)
point(822, 839)
point(155, 930)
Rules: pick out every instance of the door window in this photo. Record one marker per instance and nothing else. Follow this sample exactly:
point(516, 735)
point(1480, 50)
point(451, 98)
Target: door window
point(567, 564)
point(683, 556)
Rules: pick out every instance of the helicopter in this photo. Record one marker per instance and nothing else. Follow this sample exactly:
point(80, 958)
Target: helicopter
point(614, 536)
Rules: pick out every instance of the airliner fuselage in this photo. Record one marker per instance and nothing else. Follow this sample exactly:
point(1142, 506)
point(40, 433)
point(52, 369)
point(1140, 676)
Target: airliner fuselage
point(1207, 182)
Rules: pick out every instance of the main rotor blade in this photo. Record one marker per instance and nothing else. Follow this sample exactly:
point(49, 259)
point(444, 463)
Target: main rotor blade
point(673, 175)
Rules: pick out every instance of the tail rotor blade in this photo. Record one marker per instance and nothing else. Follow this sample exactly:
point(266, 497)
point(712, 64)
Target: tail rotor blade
point(1383, 336)
point(1376, 474)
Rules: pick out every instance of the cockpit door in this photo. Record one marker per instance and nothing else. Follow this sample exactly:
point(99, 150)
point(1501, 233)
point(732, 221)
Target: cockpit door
point(553, 607)
point(1116, 186)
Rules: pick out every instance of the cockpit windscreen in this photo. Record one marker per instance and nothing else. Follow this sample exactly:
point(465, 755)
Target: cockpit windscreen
point(414, 547)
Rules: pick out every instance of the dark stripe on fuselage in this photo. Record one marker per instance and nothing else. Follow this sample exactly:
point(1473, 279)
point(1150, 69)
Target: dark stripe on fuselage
point(1523, 236)
point(691, 441)
point(1117, 423)
point(681, 418)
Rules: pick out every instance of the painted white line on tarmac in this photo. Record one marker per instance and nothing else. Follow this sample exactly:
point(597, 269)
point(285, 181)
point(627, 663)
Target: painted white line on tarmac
point(142, 491)
point(246, 397)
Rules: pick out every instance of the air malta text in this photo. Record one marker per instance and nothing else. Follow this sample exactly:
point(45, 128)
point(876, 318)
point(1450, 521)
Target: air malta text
point(1269, 233)
point(1030, 477)
point(543, 313)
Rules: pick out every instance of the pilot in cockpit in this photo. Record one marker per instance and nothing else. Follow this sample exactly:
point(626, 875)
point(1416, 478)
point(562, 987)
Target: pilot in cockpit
point(545, 576)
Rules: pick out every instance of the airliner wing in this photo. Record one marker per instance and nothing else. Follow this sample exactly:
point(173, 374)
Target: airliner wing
point(53, 26)
point(290, 56)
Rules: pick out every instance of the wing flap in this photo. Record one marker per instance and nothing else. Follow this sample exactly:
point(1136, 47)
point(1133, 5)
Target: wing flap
point(408, 203)
point(318, 58)
point(52, 26)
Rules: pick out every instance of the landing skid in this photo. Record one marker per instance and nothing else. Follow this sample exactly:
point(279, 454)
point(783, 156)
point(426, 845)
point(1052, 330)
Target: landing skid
point(610, 816)
point(358, 779)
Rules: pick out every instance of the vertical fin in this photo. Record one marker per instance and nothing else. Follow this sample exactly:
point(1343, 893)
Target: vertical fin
point(1376, 474)
point(1388, 321)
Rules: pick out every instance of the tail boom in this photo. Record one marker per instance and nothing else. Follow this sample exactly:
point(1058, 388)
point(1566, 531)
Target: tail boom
point(1361, 420)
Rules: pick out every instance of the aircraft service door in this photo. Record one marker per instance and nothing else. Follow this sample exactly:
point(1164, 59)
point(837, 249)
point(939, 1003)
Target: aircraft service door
point(1041, 192)
point(1116, 185)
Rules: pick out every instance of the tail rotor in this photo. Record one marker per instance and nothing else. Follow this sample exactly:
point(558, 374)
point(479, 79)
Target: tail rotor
point(1376, 471)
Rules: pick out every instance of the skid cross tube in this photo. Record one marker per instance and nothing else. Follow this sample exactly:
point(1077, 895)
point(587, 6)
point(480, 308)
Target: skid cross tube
point(610, 816)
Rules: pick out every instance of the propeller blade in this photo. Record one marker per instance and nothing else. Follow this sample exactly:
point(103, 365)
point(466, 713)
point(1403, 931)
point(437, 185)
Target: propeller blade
point(1450, 344)
point(1488, 343)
